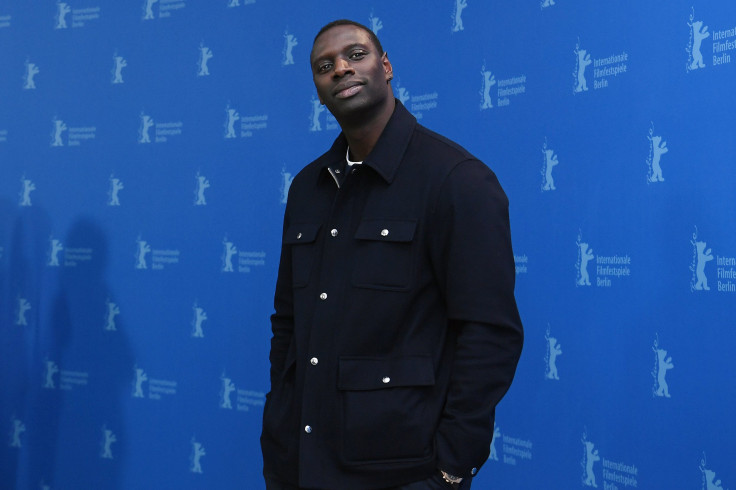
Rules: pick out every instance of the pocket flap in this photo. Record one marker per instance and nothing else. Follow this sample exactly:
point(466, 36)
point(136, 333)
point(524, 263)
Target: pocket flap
point(386, 230)
point(375, 373)
point(301, 233)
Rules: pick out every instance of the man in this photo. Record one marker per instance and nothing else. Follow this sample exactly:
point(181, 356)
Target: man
point(395, 331)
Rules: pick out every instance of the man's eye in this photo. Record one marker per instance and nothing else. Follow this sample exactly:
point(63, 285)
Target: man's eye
point(357, 55)
point(324, 67)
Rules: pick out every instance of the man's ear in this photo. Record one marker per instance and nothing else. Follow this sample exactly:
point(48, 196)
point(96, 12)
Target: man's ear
point(387, 68)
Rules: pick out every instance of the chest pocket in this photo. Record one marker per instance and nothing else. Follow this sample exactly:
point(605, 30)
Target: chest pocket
point(384, 254)
point(301, 238)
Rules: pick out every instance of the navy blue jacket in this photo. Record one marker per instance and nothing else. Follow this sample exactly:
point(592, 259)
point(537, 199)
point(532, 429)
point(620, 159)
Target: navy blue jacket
point(395, 331)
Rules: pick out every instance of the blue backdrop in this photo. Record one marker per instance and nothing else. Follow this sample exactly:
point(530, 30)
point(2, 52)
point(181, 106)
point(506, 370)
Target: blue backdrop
point(146, 149)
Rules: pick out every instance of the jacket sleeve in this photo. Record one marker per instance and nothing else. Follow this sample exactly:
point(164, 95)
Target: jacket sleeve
point(282, 320)
point(475, 268)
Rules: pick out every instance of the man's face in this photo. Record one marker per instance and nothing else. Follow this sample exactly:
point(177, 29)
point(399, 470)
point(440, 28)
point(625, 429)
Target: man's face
point(348, 71)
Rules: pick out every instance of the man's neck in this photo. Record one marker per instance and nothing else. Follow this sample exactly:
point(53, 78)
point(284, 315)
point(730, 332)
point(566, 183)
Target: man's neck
point(363, 136)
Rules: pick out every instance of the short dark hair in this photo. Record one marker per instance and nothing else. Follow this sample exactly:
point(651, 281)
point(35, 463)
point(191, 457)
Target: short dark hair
point(348, 22)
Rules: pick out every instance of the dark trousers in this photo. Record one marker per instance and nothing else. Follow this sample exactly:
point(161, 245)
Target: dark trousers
point(434, 482)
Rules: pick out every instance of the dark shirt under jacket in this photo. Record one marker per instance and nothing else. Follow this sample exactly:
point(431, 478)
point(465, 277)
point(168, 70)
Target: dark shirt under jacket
point(395, 331)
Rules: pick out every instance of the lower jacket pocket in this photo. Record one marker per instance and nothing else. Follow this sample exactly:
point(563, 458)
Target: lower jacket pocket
point(388, 411)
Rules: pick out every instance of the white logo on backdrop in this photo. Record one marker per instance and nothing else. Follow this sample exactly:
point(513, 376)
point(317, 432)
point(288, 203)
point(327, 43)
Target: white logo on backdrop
point(117, 70)
point(197, 453)
point(62, 8)
point(23, 307)
point(496, 437)
point(108, 437)
point(709, 477)
point(143, 249)
point(546, 3)
point(232, 117)
point(18, 428)
point(582, 60)
point(51, 369)
point(205, 54)
point(317, 109)
point(248, 124)
point(202, 185)
point(116, 185)
point(227, 255)
point(140, 378)
point(698, 32)
point(457, 15)
point(554, 349)
point(236, 3)
point(148, 9)
point(505, 448)
point(585, 255)
point(657, 148)
point(245, 399)
point(550, 162)
point(113, 310)
point(662, 364)
point(701, 256)
point(160, 258)
point(59, 128)
point(146, 125)
point(402, 93)
point(55, 246)
point(289, 42)
point(25, 193)
point(199, 318)
point(227, 388)
point(590, 457)
point(488, 82)
point(31, 71)
point(286, 180)
point(375, 23)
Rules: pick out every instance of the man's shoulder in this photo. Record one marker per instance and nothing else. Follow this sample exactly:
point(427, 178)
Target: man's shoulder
point(331, 155)
point(449, 160)
point(310, 171)
point(316, 165)
point(441, 148)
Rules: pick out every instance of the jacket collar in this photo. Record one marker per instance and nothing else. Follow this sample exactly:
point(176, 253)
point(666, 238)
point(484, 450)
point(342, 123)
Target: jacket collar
point(386, 156)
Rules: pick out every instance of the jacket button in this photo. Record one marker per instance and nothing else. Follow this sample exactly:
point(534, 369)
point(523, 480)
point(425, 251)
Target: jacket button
point(308, 429)
point(333, 232)
point(298, 236)
point(384, 232)
point(386, 379)
point(323, 296)
point(313, 361)
point(474, 471)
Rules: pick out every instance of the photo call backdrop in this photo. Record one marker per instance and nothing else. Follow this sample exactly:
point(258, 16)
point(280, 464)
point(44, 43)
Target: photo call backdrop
point(146, 151)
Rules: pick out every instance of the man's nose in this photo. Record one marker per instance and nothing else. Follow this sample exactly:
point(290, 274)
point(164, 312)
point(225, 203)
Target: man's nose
point(342, 67)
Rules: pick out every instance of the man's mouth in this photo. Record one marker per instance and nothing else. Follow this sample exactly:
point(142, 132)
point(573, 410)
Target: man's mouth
point(349, 91)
